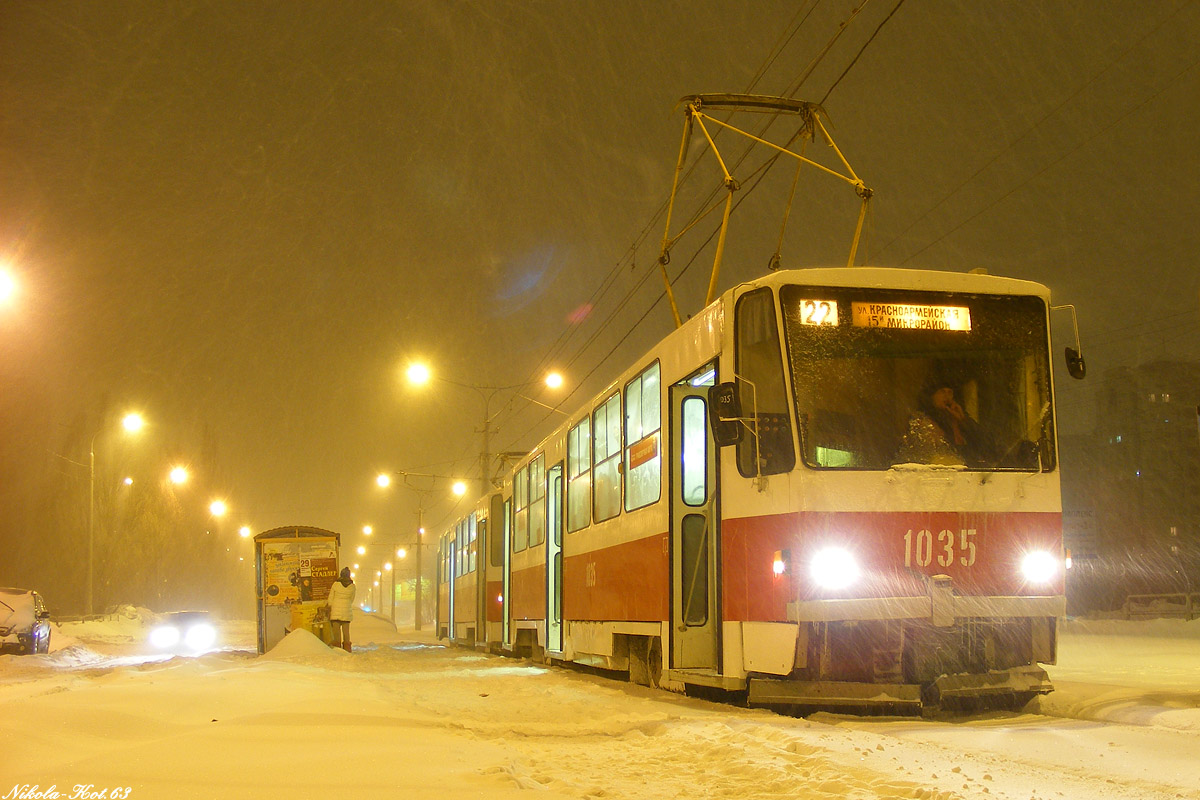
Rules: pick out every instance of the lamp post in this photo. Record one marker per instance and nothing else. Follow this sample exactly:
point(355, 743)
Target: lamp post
point(132, 423)
point(420, 374)
point(459, 488)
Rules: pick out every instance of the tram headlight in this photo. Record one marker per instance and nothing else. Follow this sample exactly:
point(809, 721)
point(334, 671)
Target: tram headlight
point(834, 568)
point(1039, 566)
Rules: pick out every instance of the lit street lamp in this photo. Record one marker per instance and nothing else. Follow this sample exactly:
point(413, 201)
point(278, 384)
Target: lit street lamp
point(419, 374)
point(459, 489)
point(8, 287)
point(132, 423)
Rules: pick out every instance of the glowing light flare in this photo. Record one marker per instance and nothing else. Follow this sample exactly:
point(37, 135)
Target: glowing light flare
point(128, 481)
point(401, 553)
point(388, 566)
point(554, 380)
point(580, 314)
point(178, 475)
point(1039, 566)
point(834, 568)
point(218, 508)
point(362, 551)
point(164, 637)
point(459, 488)
point(383, 481)
point(200, 637)
point(8, 287)
point(133, 422)
point(368, 530)
point(417, 373)
point(244, 531)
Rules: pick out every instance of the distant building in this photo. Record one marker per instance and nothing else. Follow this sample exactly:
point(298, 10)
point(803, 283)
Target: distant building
point(1131, 489)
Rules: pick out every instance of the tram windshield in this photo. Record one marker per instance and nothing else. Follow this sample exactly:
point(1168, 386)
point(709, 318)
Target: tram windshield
point(887, 377)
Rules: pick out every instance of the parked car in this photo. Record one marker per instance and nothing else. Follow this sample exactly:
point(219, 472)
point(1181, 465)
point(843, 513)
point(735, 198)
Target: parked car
point(24, 622)
point(184, 632)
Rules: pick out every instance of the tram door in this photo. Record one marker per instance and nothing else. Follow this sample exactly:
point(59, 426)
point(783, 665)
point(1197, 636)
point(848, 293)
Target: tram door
point(695, 616)
point(451, 574)
point(554, 558)
point(481, 573)
point(507, 584)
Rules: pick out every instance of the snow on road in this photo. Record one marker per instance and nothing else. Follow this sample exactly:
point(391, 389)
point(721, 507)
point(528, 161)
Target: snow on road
point(404, 713)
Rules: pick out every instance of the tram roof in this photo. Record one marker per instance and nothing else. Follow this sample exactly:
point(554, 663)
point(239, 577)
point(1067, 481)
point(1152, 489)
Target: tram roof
point(897, 278)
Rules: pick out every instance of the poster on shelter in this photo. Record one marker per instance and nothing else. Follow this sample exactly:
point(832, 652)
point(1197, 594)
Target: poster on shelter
point(298, 571)
point(281, 573)
point(318, 569)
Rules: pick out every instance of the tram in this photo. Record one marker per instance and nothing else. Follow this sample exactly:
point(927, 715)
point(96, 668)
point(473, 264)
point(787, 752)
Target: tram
point(774, 501)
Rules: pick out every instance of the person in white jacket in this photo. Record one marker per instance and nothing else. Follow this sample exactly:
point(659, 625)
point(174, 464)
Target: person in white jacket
point(341, 607)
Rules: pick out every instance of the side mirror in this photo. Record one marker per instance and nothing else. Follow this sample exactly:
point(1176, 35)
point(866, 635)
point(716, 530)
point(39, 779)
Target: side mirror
point(724, 411)
point(45, 614)
point(1075, 364)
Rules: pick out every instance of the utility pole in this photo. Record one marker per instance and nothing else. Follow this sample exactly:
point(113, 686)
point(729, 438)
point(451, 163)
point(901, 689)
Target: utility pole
point(420, 546)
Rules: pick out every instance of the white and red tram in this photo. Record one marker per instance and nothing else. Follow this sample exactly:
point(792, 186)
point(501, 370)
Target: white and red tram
point(751, 505)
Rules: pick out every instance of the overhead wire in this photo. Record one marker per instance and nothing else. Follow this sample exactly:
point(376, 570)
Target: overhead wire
point(759, 172)
point(796, 24)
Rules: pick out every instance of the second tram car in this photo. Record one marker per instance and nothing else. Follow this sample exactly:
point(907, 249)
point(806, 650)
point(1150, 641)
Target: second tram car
point(831, 487)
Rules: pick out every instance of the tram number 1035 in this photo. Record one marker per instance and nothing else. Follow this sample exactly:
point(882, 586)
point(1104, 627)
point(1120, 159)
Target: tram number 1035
point(922, 548)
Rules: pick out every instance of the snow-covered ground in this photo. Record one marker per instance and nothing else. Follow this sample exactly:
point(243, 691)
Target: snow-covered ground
point(404, 714)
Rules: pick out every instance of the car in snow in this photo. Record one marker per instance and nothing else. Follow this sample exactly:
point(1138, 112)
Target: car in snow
point(189, 632)
point(24, 622)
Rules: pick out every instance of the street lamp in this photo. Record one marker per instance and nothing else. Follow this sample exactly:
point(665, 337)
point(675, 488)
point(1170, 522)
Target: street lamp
point(218, 508)
point(419, 374)
point(8, 287)
point(459, 489)
point(132, 423)
point(178, 475)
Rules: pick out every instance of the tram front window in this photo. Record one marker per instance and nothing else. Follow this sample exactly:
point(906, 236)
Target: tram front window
point(887, 377)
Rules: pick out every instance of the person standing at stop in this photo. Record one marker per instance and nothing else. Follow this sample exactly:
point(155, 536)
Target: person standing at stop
point(341, 607)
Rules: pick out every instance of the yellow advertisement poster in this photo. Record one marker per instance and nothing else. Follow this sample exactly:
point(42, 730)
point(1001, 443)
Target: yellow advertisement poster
point(298, 571)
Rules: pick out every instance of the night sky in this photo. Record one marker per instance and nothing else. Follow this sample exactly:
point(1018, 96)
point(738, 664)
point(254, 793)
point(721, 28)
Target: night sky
point(243, 219)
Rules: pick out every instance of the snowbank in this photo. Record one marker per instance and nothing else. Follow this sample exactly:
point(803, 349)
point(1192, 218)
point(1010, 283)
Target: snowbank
point(301, 643)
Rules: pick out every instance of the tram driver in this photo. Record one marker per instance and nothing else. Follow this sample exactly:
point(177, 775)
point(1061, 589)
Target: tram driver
point(942, 432)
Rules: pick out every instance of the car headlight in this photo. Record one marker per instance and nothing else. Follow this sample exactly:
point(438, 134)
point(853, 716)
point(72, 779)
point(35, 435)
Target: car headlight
point(164, 636)
point(200, 637)
point(1039, 566)
point(834, 568)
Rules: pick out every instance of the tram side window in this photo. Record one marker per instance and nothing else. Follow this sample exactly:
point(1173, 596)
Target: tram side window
point(462, 547)
point(521, 508)
point(579, 475)
point(537, 501)
point(761, 389)
point(606, 454)
point(643, 458)
point(496, 542)
point(471, 543)
point(457, 550)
